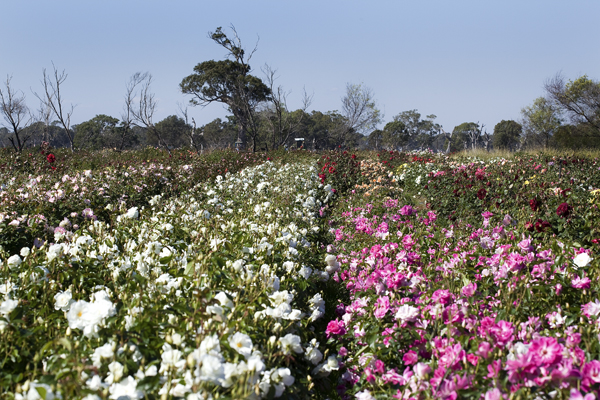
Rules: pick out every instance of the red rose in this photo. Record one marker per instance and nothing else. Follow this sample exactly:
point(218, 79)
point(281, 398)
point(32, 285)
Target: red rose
point(50, 157)
point(534, 204)
point(563, 210)
point(481, 194)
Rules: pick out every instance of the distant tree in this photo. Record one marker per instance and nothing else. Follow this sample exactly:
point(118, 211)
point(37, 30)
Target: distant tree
point(326, 129)
point(140, 110)
point(281, 123)
point(420, 132)
point(459, 140)
point(540, 120)
point(4, 134)
point(219, 134)
point(133, 124)
point(16, 114)
point(395, 135)
point(97, 133)
point(52, 99)
point(174, 132)
point(360, 112)
point(574, 137)
point(466, 135)
point(193, 136)
point(51, 132)
point(375, 141)
point(229, 82)
point(579, 100)
point(507, 135)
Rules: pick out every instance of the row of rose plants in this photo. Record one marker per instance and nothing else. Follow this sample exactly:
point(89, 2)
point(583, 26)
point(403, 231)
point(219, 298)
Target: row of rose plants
point(41, 192)
point(548, 195)
point(468, 301)
point(218, 292)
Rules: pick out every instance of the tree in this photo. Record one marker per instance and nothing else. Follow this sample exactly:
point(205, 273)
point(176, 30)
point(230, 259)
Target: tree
point(420, 132)
point(579, 100)
point(324, 131)
point(174, 132)
point(375, 139)
point(16, 114)
point(229, 82)
point(281, 122)
point(219, 134)
point(126, 135)
point(142, 113)
point(97, 133)
point(465, 134)
point(359, 110)
point(395, 136)
point(507, 135)
point(191, 134)
point(52, 99)
point(540, 121)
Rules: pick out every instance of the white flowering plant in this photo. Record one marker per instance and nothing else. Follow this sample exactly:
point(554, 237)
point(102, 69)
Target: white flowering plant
point(215, 293)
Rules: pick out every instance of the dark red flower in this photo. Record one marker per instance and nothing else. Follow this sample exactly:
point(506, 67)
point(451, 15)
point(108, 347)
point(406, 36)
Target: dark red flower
point(563, 210)
point(50, 157)
point(540, 225)
point(481, 194)
point(534, 204)
point(529, 226)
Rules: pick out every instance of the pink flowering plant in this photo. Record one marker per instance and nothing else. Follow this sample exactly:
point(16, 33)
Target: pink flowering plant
point(471, 306)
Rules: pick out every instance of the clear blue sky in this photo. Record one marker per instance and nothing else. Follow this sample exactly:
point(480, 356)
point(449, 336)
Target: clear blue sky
point(463, 61)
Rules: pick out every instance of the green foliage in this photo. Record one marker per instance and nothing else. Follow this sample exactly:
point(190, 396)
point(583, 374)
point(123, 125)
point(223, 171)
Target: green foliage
point(395, 135)
point(130, 186)
point(97, 133)
point(340, 169)
point(229, 82)
point(420, 132)
point(174, 131)
point(507, 135)
point(460, 136)
point(579, 100)
point(540, 122)
point(575, 137)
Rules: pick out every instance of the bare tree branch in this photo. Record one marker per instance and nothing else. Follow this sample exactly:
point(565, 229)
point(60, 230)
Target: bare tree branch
point(142, 113)
point(52, 98)
point(279, 118)
point(16, 114)
point(191, 134)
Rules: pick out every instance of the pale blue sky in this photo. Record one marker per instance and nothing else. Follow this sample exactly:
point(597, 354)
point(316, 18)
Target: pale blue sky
point(460, 60)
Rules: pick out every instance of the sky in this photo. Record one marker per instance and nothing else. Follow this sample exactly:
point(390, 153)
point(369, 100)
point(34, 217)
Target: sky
point(463, 61)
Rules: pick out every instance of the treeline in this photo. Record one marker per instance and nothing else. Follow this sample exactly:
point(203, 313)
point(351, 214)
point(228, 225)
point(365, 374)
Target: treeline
point(566, 117)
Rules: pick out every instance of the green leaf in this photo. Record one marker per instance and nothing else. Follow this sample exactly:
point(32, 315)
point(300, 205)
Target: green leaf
point(41, 391)
point(66, 343)
point(190, 268)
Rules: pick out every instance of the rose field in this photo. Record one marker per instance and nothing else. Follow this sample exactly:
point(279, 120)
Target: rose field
point(299, 275)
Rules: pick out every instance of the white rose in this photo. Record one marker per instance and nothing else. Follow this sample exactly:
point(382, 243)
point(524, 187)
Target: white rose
point(63, 300)
point(290, 343)
point(14, 261)
point(241, 343)
point(7, 306)
point(132, 213)
point(582, 260)
point(407, 313)
point(54, 251)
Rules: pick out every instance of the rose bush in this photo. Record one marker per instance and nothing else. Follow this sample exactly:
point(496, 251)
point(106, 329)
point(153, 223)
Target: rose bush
point(216, 292)
point(452, 296)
